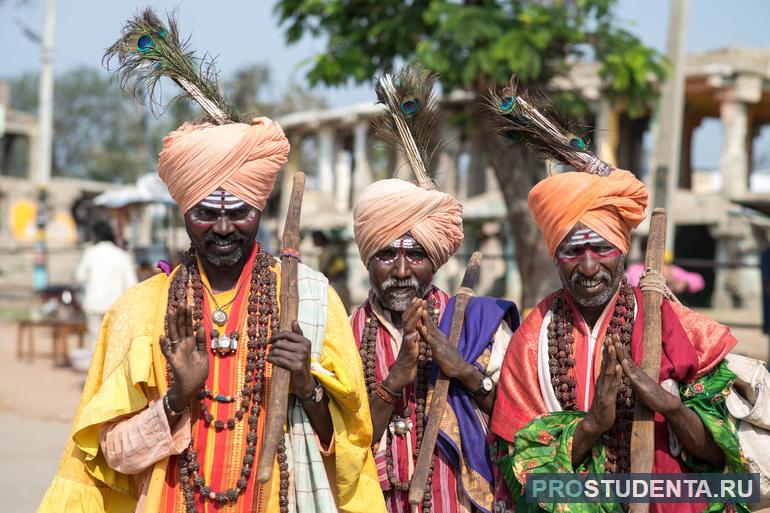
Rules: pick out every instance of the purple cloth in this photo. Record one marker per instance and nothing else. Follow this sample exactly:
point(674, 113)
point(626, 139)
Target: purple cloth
point(164, 266)
point(482, 318)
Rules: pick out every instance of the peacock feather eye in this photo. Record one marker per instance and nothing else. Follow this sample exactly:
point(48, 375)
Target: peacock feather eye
point(163, 33)
point(144, 43)
point(577, 143)
point(410, 106)
point(507, 103)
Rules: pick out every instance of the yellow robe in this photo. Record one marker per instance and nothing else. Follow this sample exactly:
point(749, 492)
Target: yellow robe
point(128, 370)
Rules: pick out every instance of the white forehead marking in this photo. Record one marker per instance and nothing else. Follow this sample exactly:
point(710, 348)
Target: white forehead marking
point(583, 237)
point(223, 200)
point(406, 242)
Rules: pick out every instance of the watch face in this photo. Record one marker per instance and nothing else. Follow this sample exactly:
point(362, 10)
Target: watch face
point(318, 394)
point(487, 384)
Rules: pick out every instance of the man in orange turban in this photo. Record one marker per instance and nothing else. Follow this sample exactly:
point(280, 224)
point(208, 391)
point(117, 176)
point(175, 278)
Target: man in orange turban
point(570, 379)
point(405, 233)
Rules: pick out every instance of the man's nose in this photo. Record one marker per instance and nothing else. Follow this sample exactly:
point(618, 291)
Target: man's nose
point(402, 269)
point(223, 226)
point(589, 264)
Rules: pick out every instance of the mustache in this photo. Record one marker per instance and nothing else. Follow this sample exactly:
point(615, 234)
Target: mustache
point(602, 275)
point(392, 283)
point(212, 238)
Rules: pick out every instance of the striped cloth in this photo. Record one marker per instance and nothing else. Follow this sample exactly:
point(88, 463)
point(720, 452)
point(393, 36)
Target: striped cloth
point(308, 483)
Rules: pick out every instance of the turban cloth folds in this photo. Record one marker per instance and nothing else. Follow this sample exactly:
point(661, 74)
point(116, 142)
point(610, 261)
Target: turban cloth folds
point(388, 209)
point(611, 206)
point(241, 158)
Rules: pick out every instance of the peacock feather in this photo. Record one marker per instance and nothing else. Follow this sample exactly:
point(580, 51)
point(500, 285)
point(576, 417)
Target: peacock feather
point(534, 123)
point(412, 117)
point(148, 50)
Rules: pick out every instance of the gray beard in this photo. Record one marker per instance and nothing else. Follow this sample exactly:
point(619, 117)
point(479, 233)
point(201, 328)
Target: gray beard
point(224, 260)
point(601, 298)
point(396, 301)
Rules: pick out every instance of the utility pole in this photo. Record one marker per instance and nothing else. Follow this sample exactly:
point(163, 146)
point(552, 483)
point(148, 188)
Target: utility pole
point(45, 139)
point(668, 141)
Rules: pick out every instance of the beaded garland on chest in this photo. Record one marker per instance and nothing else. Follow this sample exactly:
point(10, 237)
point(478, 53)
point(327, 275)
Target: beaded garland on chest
point(401, 425)
point(262, 314)
point(561, 360)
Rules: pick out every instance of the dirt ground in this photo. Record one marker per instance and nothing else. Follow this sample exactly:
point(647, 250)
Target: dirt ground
point(39, 401)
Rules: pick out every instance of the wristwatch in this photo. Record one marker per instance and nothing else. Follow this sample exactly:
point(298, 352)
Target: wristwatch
point(316, 396)
point(485, 386)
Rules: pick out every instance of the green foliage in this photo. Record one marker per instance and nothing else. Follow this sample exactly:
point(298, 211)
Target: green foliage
point(476, 43)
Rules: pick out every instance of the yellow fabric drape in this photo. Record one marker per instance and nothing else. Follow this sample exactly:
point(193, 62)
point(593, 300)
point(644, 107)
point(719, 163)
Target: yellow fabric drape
point(128, 370)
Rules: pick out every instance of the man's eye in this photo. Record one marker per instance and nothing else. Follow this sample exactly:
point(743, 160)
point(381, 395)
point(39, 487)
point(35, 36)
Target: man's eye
point(387, 254)
point(204, 215)
point(417, 255)
point(604, 250)
point(239, 214)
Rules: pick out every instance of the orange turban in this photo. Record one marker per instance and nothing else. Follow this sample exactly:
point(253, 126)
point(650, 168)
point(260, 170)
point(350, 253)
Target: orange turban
point(389, 208)
point(611, 206)
point(241, 159)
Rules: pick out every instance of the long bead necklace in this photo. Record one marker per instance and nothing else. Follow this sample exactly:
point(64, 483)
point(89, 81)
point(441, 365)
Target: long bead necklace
point(561, 360)
point(262, 312)
point(368, 354)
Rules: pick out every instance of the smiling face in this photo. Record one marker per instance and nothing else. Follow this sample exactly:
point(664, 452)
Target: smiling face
point(590, 268)
point(222, 237)
point(400, 272)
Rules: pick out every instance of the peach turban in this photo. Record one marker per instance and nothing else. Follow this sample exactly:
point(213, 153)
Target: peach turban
point(241, 158)
point(611, 206)
point(390, 208)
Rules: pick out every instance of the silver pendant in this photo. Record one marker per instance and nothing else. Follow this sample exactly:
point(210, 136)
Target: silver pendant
point(224, 344)
point(219, 317)
point(401, 426)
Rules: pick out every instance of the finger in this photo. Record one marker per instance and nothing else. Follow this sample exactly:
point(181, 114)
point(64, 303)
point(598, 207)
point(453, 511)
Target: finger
point(180, 317)
point(284, 362)
point(173, 334)
point(164, 346)
point(200, 340)
point(290, 336)
point(295, 327)
point(187, 330)
point(291, 347)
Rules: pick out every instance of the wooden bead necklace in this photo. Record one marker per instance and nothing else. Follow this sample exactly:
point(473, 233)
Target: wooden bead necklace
point(262, 312)
point(368, 353)
point(561, 359)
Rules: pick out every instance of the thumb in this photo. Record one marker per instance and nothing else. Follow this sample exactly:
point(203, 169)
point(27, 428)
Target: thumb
point(296, 328)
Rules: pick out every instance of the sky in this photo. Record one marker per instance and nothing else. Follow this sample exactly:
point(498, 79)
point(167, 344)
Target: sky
point(247, 32)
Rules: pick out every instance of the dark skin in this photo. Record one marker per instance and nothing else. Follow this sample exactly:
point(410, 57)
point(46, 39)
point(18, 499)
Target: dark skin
point(223, 241)
point(416, 322)
point(615, 364)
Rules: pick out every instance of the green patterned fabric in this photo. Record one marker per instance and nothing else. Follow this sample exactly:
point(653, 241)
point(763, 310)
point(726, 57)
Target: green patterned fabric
point(544, 445)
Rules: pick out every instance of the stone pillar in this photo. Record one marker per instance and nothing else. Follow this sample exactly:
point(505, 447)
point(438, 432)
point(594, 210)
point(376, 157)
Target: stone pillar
point(733, 163)
point(607, 131)
point(342, 171)
point(362, 173)
point(326, 161)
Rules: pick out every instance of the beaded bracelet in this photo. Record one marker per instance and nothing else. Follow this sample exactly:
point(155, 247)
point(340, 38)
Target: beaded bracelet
point(385, 394)
point(171, 412)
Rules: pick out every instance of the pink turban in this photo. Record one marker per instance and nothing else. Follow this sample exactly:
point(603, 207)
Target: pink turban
point(611, 206)
point(242, 159)
point(388, 209)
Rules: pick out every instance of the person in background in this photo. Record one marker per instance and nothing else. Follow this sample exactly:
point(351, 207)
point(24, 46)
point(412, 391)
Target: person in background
point(104, 272)
point(678, 280)
point(331, 263)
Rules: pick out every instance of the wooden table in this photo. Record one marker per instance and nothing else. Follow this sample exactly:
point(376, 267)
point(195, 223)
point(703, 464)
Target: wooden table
point(60, 334)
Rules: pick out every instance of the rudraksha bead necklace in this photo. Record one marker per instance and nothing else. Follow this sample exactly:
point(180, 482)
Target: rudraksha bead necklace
point(561, 359)
point(262, 312)
point(368, 354)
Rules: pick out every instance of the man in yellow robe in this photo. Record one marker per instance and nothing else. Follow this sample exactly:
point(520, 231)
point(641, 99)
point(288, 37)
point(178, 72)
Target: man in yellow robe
point(172, 414)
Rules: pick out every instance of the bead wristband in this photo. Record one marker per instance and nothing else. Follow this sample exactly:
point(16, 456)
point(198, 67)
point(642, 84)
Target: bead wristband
point(171, 412)
point(385, 394)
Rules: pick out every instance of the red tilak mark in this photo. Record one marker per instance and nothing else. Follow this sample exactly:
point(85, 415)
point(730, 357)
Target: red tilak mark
point(583, 253)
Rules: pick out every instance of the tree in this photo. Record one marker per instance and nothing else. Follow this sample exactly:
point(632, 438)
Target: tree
point(473, 45)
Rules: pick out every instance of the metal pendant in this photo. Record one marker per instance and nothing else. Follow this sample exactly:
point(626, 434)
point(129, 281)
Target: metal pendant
point(219, 317)
point(401, 426)
point(224, 344)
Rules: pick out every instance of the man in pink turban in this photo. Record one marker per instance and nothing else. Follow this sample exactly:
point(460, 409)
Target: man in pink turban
point(405, 233)
point(177, 397)
point(570, 378)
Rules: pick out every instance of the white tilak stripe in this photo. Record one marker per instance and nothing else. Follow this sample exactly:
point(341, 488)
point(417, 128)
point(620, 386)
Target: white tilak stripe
point(405, 242)
point(222, 206)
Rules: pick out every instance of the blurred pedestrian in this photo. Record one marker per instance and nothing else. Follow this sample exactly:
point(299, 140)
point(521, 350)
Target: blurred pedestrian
point(679, 280)
point(104, 272)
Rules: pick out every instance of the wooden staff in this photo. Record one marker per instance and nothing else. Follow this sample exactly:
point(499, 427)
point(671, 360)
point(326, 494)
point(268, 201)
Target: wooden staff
point(438, 404)
point(643, 431)
point(279, 382)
